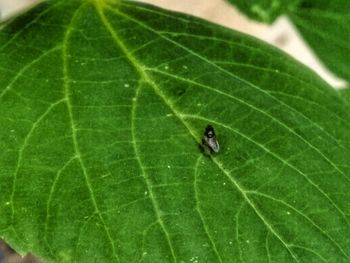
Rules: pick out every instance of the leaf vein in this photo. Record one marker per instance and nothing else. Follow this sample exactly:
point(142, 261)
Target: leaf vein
point(323, 193)
point(21, 150)
point(267, 115)
point(143, 25)
point(66, 91)
point(25, 67)
point(206, 230)
point(337, 245)
point(133, 61)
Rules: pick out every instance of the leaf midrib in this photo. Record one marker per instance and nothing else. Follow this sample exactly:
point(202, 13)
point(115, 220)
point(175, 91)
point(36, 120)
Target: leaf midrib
point(149, 80)
point(144, 76)
point(253, 141)
point(143, 70)
point(143, 25)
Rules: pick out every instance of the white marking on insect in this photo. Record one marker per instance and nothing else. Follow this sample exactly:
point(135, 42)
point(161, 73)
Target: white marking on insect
point(210, 140)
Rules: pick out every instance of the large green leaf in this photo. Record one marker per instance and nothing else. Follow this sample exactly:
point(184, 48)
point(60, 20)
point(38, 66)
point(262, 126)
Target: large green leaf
point(324, 24)
point(103, 108)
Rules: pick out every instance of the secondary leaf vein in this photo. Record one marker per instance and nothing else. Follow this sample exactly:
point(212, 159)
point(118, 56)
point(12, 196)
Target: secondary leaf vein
point(69, 103)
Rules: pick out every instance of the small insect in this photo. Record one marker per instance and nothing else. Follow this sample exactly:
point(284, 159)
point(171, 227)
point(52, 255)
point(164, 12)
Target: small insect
point(209, 140)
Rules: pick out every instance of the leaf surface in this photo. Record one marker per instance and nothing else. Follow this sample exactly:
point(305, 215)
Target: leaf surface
point(323, 24)
point(103, 110)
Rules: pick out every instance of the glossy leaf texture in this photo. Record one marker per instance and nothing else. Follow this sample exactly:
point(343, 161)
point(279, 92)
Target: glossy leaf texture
point(103, 108)
point(325, 25)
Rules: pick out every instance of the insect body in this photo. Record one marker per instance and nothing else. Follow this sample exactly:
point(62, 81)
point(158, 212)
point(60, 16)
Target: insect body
point(209, 140)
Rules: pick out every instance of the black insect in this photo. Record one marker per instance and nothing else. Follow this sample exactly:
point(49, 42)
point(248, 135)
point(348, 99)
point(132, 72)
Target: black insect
point(209, 140)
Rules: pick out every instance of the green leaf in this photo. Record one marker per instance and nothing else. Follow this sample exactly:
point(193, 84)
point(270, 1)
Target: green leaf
point(323, 24)
point(265, 10)
point(103, 108)
point(345, 94)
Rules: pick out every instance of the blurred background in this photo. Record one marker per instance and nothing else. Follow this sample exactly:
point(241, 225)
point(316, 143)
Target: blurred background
point(7, 255)
point(281, 34)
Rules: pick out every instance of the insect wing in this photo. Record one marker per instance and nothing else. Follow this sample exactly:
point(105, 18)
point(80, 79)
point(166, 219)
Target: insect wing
point(212, 143)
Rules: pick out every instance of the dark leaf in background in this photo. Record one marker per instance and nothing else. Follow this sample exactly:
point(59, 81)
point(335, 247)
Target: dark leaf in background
point(325, 25)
